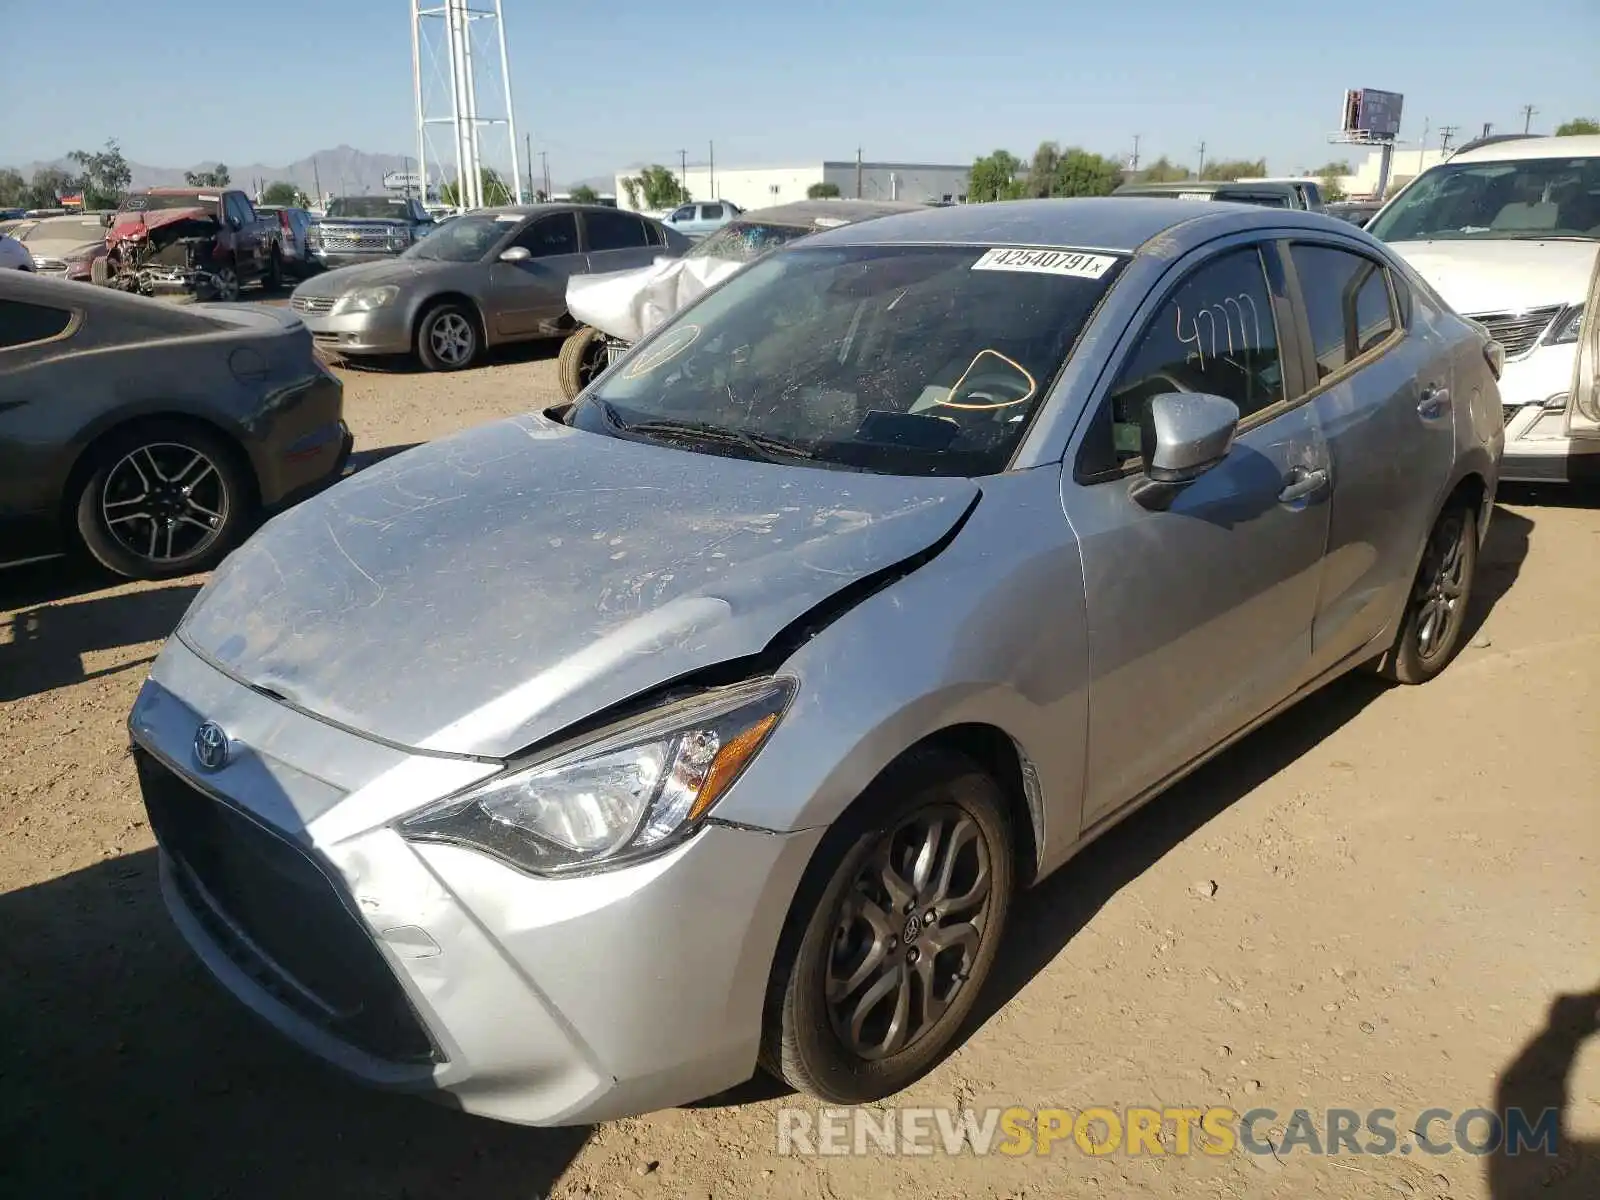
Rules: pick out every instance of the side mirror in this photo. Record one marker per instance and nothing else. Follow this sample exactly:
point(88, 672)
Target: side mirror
point(1183, 435)
point(515, 254)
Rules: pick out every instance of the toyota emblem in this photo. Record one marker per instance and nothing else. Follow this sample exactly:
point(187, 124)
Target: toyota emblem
point(211, 746)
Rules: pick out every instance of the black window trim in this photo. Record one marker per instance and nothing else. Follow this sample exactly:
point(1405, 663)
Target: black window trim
point(1292, 345)
point(1399, 312)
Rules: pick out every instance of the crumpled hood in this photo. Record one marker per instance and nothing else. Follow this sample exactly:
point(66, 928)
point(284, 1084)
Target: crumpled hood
point(480, 593)
point(629, 304)
point(1503, 275)
point(136, 224)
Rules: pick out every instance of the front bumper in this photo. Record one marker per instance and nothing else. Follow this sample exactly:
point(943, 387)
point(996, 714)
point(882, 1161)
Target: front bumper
point(537, 1001)
point(1539, 448)
point(351, 258)
point(381, 331)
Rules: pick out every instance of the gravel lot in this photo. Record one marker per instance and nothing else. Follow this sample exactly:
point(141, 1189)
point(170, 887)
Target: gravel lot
point(1386, 898)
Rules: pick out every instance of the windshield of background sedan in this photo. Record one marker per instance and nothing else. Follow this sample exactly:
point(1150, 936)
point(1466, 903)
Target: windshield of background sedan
point(909, 360)
point(462, 239)
point(394, 208)
point(745, 241)
point(1528, 198)
point(147, 203)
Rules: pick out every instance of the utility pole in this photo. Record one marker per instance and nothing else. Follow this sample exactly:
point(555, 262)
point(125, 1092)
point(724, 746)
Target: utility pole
point(711, 168)
point(1447, 134)
point(1487, 126)
point(683, 175)
point(1134, 165)
point(1201, 172)
point(316, 181)
point(858, 172)
point(533, 194)
point(544, 160)
point(1528, 113)
point(1422, 151)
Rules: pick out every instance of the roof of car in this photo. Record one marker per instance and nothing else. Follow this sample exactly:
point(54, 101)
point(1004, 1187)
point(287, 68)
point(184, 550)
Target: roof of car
point(1206, 185)
point(549, 206)
point(823, 213)
point(1110, 223)
point(1579, 146)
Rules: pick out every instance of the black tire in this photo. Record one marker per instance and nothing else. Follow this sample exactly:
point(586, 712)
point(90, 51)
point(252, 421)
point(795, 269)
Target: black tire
point(1423, 647)
point(100, 272)
point(225, 286)
point(448, 338)
point(110, 522)
point(582, 359)
point(804, 1034)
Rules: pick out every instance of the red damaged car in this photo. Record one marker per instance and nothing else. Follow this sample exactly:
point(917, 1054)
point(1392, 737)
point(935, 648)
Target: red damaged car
point(207, 242)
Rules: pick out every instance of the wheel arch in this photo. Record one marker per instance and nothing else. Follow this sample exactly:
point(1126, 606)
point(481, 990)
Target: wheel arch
point(435, 299)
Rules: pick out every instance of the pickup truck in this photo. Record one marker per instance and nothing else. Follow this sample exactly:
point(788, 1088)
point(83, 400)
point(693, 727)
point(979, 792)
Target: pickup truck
point(208, 242)
point(363, 229)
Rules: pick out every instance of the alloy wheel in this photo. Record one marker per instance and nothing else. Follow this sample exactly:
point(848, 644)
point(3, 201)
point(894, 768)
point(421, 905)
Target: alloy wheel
point(165, 502)
point(451, 339)
point(909, 931)
point(226, 284)
point(1442, 589)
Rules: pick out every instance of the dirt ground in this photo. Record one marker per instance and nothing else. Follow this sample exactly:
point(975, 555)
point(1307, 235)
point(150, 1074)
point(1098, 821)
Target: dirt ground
point(1384, 899)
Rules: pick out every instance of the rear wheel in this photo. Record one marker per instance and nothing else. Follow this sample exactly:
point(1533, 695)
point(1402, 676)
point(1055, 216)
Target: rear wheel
point(447, 338)
point(1433, 626)
point(893, 933)
point(583, 358)
point(224, 284)
point(162, 499)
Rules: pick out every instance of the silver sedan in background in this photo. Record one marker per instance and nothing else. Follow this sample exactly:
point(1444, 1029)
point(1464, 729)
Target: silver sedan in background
point(578, 762)
point(482, 279)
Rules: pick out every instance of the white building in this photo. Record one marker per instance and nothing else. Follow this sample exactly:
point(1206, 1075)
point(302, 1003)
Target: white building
point(1406, 166)
point(762, 187)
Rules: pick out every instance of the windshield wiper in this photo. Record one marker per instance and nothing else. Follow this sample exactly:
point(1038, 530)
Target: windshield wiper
point(769, 449)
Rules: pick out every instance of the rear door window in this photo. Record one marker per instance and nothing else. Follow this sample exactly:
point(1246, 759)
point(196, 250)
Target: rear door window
point(1348, 302)
point(614, 231)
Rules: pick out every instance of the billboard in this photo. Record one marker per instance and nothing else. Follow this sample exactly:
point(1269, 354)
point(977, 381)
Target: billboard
point(1374, 113)
point(403, 181)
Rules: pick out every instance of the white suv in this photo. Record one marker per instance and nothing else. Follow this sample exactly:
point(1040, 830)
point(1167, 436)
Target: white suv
point(1509, 234)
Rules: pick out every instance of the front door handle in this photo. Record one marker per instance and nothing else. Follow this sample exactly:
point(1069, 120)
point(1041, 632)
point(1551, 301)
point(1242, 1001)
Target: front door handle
point(1435, 402)
point(1302, 483)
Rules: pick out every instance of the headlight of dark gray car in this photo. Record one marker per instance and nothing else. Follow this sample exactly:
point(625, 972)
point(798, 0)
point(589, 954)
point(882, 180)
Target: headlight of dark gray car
point(631, 792)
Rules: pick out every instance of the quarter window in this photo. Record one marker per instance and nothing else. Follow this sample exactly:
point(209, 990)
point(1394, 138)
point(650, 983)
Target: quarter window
point(1215, 334)
point(1347, 303)
point(22, 324)
point(550, 236)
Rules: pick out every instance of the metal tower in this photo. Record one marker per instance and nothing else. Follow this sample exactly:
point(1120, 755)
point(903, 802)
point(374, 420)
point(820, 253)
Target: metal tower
point(451, 40)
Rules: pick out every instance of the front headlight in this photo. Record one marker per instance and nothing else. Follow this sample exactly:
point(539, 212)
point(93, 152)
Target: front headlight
point(635, 790)
point(1566, 327)
point(364, 300)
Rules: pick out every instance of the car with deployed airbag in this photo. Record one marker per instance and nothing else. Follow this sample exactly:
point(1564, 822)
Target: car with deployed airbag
point(753, 686)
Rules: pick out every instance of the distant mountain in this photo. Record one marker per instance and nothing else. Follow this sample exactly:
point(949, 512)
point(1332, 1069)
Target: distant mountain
point(342, 169)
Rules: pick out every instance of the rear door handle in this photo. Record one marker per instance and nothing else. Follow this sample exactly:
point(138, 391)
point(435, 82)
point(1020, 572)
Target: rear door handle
point(1302, 483)
point(1435, 402)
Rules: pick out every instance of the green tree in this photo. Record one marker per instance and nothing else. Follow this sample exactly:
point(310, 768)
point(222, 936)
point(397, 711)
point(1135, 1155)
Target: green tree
point(823, 191)
point(1233, 168)
point(105, 175)
point(285, 194)
point(494, 189)
point(1577, 126)
point(655, 187)
point(217, 177)
point(49, 184)
point(1164, 170)
point(584, 194)
point(994, 177)
point(1041, 179)
point(13, 188)
point(1084, 173)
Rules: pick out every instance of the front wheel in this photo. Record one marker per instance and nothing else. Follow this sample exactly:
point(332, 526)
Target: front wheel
point(447, 338)
point(582, 360)
point(893, 933)
point(1434, 621)
point(223, 285)
point(161, 500)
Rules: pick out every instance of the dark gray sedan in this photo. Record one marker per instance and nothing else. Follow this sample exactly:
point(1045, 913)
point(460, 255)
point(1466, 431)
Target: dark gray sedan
point(485, 278)
point(150, 434)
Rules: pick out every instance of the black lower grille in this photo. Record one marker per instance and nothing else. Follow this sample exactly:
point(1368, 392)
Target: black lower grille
point(280, 918)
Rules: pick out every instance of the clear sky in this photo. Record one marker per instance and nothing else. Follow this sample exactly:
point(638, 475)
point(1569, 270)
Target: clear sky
point(602, 86)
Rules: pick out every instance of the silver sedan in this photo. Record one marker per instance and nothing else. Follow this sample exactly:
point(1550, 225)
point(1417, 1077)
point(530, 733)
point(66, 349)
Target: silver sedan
point(578, 763)
point(485, 278)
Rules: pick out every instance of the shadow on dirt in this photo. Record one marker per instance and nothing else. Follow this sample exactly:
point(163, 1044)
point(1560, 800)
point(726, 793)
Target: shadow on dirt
point(126, 1072)
point(1538, 1081)
point(54, 631)
point(542, 350)
point(1499, 563)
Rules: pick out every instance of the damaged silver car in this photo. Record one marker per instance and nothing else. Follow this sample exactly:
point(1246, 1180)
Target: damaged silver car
point(575, 764)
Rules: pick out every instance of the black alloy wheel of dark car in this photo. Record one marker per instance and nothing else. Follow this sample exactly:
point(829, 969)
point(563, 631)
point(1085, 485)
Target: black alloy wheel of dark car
point(582, 360)
point(1434, 623)
point(893, 932)
point(163, 499)
point(448, 338)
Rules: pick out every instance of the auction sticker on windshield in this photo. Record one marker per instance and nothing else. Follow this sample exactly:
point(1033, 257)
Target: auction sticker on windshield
point(1046, 262)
